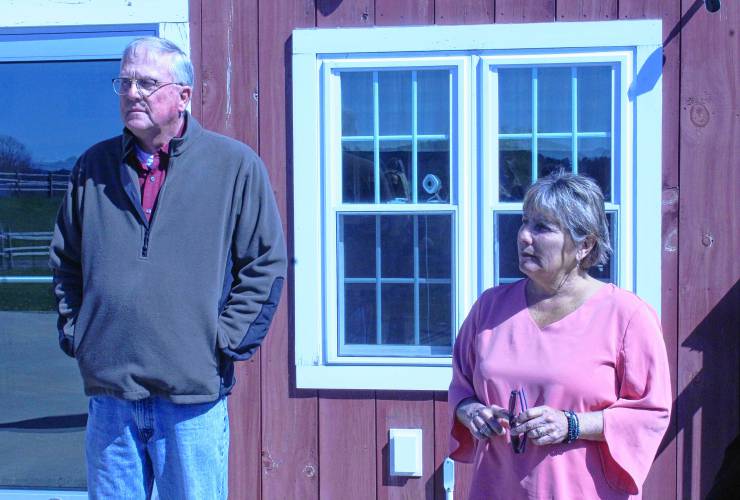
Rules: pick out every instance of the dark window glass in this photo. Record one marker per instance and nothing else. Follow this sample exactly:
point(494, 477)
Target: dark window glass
point(507, 227)
point(515, 168)
point(358, 172)
point(415, 280)
point(594, 160)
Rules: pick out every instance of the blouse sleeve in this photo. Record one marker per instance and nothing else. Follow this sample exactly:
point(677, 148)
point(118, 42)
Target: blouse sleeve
point(462, 444)
point(634, 425)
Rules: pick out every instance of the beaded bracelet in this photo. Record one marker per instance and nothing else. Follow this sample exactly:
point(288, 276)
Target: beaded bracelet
point(574, 428)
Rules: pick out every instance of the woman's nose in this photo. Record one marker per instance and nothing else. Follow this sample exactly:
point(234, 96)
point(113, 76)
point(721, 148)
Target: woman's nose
point(524, 236)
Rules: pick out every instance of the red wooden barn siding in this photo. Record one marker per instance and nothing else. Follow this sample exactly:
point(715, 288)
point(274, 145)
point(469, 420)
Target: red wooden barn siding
point(296, 444)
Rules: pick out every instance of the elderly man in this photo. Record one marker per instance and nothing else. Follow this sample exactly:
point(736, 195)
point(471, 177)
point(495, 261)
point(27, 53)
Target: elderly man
point(168, 259)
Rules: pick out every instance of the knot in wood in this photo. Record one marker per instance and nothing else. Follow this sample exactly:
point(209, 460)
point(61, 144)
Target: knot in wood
point(707, 240)
point(309, 471)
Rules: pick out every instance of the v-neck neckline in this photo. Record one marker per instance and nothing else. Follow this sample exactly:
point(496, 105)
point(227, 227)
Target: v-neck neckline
point(549, 326)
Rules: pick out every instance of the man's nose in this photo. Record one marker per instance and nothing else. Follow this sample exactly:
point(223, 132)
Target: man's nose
point(132, 92)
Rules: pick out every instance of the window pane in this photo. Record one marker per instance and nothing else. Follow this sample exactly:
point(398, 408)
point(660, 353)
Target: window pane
point(415, 277)
point(435, 315)
point(397, 246)
point(507, 259)
point(594, 160)
point(515, 100)
point(433, 101)
point(554, 100)
point(359, 314)
point(434, 171)
point(515, 168)
point(594, 98)
point(394, 89)
point(435, 246)
point(607, 272)
point(357, 245)
point(397, 314)
point(45, 410)
point(554, 155)
point(358, 172)
point(395, 171)
point(357, 103)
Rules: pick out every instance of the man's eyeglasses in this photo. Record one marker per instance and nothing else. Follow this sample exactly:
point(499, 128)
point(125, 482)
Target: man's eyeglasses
point(517, 401)
point(145, 86)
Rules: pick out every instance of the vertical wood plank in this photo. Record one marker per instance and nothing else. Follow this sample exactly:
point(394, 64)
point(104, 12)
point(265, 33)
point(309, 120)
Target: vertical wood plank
point(226, 35)
point(195, 26)
point(290, 467)
point(405, 410)
point(586, 10)
point(709, 269)
point(336, 13)
point(229, 68)
point(525, 11)
point(347, 445)
point(464, 11)
point(661, 482)
point(396, 13)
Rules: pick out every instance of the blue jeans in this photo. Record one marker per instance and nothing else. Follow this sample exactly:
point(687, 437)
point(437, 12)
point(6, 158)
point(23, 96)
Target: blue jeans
point(184, 448)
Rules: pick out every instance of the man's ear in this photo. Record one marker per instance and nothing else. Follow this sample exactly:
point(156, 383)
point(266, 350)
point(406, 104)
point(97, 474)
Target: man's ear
point(186, 93)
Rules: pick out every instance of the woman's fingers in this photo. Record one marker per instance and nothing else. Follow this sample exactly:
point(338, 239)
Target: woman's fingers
point(542, 425)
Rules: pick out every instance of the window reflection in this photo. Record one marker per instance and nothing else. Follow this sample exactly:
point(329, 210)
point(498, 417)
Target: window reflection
point(43, 128)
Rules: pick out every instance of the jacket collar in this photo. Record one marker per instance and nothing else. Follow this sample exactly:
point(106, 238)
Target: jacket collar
point(177, 145)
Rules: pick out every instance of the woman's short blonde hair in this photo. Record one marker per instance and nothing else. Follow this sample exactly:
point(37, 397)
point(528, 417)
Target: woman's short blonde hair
point(576, 204)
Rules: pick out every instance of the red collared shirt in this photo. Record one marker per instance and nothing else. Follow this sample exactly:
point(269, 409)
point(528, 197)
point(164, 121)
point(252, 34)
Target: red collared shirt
point(152, 170)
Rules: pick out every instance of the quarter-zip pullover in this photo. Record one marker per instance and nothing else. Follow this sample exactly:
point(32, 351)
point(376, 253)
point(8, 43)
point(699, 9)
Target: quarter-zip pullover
point(165, 306)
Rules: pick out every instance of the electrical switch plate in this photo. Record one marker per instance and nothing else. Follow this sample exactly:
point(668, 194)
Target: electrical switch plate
point(405, 452)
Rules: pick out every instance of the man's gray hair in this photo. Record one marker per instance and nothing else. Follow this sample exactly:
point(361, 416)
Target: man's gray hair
point(576, 204)
point(182, 68)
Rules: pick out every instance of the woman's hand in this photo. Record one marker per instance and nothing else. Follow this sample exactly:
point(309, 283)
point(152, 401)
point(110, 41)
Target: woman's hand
point(482, 421)
point(542, 425)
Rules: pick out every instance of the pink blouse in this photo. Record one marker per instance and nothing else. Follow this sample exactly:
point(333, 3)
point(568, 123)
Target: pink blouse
point(608, 355)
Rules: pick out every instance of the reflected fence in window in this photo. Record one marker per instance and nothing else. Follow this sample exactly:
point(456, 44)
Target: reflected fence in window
point(24, 182)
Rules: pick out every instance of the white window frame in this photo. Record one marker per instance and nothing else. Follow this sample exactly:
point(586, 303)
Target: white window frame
point(634, 45)
point(48, 30)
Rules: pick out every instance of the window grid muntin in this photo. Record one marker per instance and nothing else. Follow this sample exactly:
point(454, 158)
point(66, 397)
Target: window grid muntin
point(380, 349)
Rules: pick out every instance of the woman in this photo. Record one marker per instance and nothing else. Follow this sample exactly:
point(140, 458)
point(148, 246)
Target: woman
point(587, 359)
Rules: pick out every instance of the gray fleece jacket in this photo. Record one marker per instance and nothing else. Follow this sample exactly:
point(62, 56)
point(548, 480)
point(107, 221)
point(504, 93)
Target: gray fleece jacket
point(164, 308)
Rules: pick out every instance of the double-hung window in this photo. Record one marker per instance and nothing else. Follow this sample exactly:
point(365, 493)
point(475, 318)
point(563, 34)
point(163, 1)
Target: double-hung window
point(413, 150)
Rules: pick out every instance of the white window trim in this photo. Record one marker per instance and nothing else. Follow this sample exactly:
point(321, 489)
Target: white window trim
point(639, 41)
point(25, 31)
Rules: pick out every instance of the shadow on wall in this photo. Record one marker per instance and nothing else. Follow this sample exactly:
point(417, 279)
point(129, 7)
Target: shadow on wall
point(713, 395)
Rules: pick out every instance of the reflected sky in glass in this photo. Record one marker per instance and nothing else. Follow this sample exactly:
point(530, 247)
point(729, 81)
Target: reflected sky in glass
point(58, 109)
